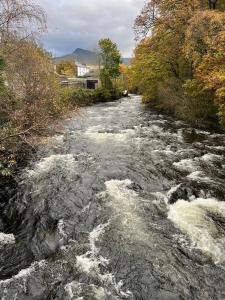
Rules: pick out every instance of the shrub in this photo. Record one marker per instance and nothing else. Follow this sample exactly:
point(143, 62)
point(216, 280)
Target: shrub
point(83, 97)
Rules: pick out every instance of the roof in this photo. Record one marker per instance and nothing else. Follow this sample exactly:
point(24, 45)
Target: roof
point(80, 65)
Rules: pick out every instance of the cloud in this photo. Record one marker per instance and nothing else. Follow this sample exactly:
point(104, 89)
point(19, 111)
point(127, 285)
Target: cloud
point(81, 23)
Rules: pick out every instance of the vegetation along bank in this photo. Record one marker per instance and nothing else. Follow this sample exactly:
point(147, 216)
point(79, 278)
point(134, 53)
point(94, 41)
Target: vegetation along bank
point(179, 63)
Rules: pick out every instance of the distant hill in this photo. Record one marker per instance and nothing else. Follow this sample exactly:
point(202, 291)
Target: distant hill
point(85, 57)
point(126, 60)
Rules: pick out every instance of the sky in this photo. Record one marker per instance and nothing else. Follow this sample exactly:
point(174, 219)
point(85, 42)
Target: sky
point(81, 23)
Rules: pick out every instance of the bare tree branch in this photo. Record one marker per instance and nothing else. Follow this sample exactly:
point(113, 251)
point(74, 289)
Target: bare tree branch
point(24, 132)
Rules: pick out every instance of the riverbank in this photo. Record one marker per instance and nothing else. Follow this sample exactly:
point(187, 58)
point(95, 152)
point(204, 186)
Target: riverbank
point(210, 124)
point(172, 68)
point(74, 99)
point(16, 143)
point(17, 151)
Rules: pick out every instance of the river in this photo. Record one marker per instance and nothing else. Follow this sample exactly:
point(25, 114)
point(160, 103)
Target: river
point(125, 204)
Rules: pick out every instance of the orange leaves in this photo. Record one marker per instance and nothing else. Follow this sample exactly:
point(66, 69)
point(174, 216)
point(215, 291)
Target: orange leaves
point(205, 48)
point(123, 68)
point(205, 35)
point(184, 56)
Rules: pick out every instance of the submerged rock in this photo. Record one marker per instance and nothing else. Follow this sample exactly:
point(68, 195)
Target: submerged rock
point(183, 191)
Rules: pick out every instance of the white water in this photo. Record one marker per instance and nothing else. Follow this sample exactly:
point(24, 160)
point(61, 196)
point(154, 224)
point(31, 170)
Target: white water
point(6, 239)
point(96, 207)
point(193, 219)
point(125, 202)
point(91, 261)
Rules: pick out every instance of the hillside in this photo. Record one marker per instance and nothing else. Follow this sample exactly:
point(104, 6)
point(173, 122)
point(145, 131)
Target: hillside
point(85, 57)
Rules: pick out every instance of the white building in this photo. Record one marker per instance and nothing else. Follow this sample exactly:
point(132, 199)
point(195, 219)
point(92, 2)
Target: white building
point(81, 69)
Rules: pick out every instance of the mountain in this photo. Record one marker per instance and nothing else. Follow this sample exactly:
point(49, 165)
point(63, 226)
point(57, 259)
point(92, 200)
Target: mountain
point(85, 57)
point(126, 60)
point(80, 55)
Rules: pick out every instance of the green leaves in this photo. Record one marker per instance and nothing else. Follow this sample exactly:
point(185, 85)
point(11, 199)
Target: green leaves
point(110, 58)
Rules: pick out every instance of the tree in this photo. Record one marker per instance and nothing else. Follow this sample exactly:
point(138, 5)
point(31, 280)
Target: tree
point(1, 75)
point(212, 4)
point(110, 59)
point(3, 94)
point(29, 89)
point(205, 48)
point(147, 18)
point(146, 71)
point(20, 18)
point(66, 67)
point(30, 76)
point(179, 62)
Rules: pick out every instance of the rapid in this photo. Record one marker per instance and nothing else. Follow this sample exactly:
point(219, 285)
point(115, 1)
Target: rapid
point(125, 204)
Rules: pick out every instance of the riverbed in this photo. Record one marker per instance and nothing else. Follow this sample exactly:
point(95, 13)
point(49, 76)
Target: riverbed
point(125, 204)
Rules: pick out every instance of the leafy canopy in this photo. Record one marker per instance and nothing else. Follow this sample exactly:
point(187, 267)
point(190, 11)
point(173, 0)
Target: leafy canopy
point(110, 60)
point(179, 63)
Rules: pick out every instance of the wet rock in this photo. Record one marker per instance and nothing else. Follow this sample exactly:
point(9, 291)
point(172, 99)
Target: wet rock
point(76, 290)
point(2, 225)
point(135, 187)
point(182, 191)
point(218, 219)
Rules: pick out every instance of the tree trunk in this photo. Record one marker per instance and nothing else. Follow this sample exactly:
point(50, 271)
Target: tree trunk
point(212, 4)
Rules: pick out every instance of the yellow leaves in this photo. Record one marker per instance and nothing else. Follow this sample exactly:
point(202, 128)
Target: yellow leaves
point(123, 68)
point(5, 172)
point(221, 115)
point(182, 63)
point(66, 67)
point(7, 166)
point(146, 70)
point(220, 100)
point(205, 35)
point(205, 48)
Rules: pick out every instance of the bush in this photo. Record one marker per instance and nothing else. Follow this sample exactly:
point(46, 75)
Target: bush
point(83, 97)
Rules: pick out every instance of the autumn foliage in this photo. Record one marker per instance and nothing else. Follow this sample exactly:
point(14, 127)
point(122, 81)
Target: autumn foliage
point(29, 88)
point(179, 63)
point(66, 67)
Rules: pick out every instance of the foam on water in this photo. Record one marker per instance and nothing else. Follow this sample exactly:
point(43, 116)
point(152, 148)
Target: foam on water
point(167, 153)
point(220, 148)
point(75, 290)
point(197, 166)
point(61, 232)
point(90, 262)
point(69, 289)
point(198, 220)
point(23, 275)
point(200, 177)
point(138, 244)
point(188, 165)
point(211, 157)
point(191, 165)
point(99, 134)
point(6, 239)
point(43, 167)
point(124, 202)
